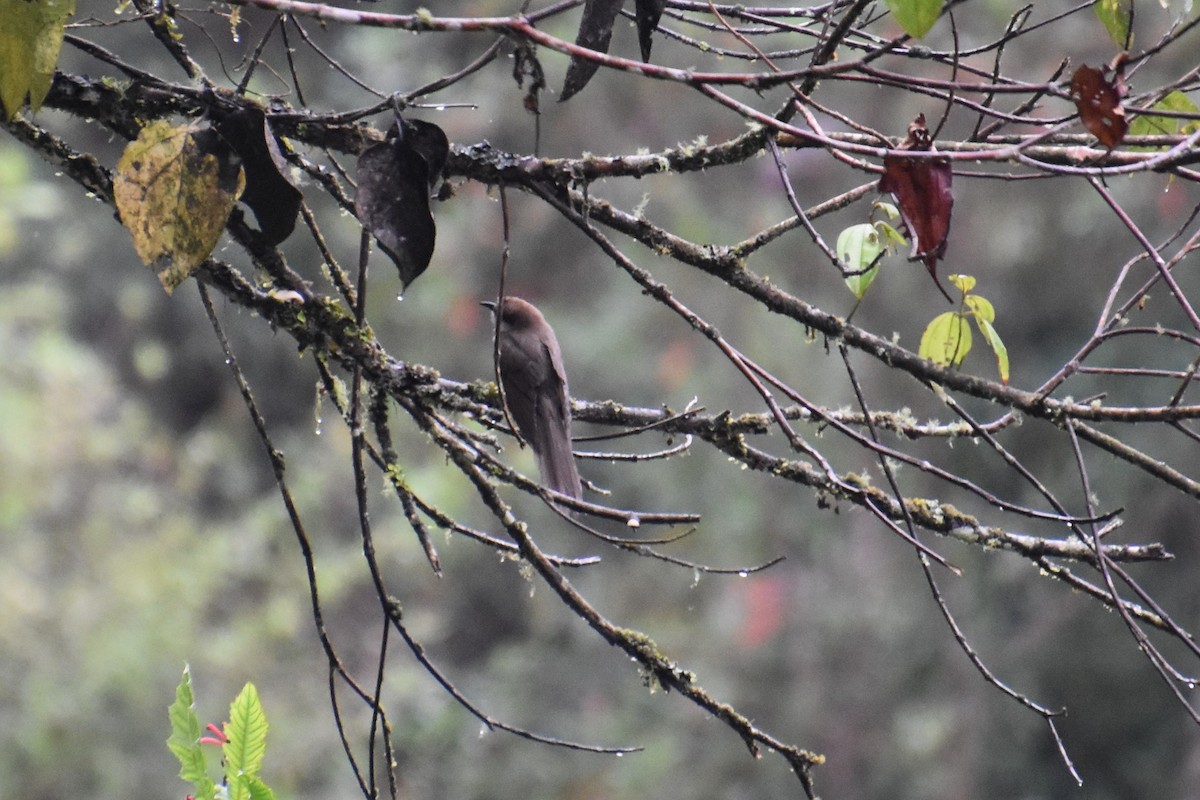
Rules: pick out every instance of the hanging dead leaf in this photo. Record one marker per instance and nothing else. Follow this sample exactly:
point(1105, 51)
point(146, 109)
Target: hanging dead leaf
point(30, 39)
point(649, 12)
point(595, 33)
point(1098, 101)
point(394, 179)
point(174, 189)
point(922, 191)
point(270, 193)
point(526, 65)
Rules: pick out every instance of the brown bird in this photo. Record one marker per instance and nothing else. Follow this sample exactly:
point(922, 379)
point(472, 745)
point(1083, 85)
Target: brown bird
point(535, 388)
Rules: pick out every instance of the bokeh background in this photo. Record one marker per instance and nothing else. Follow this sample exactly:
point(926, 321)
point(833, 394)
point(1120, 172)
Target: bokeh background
point(140, 527)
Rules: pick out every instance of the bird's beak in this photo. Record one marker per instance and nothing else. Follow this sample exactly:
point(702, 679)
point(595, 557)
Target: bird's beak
point(490, 305)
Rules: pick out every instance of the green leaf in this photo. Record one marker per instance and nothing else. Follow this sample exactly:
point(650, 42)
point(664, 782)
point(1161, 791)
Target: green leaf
point(247, 734)
point(1117, 16)
point(889, 210)
point(30, 39)
point(1147, 125)
point(857, 248)
point(993, 339)
point(916, 17)
point(892, 238)
point(257, 789)
point(981, 308)
point(947, 339)
point(184, 741)
point(174, 188)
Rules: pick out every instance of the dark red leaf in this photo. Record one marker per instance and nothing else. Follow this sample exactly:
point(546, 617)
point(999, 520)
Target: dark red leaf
point(649, 12)
point(922, 191)
point(1098, 101)
point(394, 179)
point(595, 33)
point(269, 193)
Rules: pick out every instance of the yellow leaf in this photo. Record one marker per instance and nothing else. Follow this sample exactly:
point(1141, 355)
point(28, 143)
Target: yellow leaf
point(31, 35)
point(174, 188)
point(947, 339)
point(965, 283)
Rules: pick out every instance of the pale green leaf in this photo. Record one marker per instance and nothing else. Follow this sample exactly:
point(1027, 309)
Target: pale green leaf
point(893, 240)
point(1151, 125)
point(889, 210)
point(184, 741)
point(993, 339)
point(31, 35)
point(257, 789)
point(981, 308)
point(857, 248)
point(174, 189)
point(916, 17)
point(247, 734)
point(1117, 16)
point(947, 339)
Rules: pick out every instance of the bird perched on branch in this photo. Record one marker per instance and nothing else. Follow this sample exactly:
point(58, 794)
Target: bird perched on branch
point(535, 390)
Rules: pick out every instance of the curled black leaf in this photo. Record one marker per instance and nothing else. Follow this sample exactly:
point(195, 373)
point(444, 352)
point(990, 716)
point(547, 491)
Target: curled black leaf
point(394, 179)
point(430, 142)
point(270, 193)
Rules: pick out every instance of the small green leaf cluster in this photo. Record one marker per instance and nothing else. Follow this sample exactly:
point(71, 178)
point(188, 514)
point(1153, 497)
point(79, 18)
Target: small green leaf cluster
point(947, 338)
point(242, 739)
point(860, 248)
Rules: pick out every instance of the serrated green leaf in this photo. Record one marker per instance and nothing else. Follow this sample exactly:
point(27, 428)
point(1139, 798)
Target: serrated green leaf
point(1148, 125)
point(993, 339)
point(981, 308)
point(1116, 16)
point(247, 734)
point(184, 741)
point(30, 39)
point(857, 248)
point(257, 789)
point(174, 188)
point(916, 17)
point(947, 339)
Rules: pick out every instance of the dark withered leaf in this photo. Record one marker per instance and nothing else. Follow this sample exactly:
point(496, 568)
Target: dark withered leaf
point(430, 142)
point(394, 178)
point(922, 191)
point(527, 66)
point(1098, 101)
point(270, 193)
point(595, 33)
point(649, 12)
